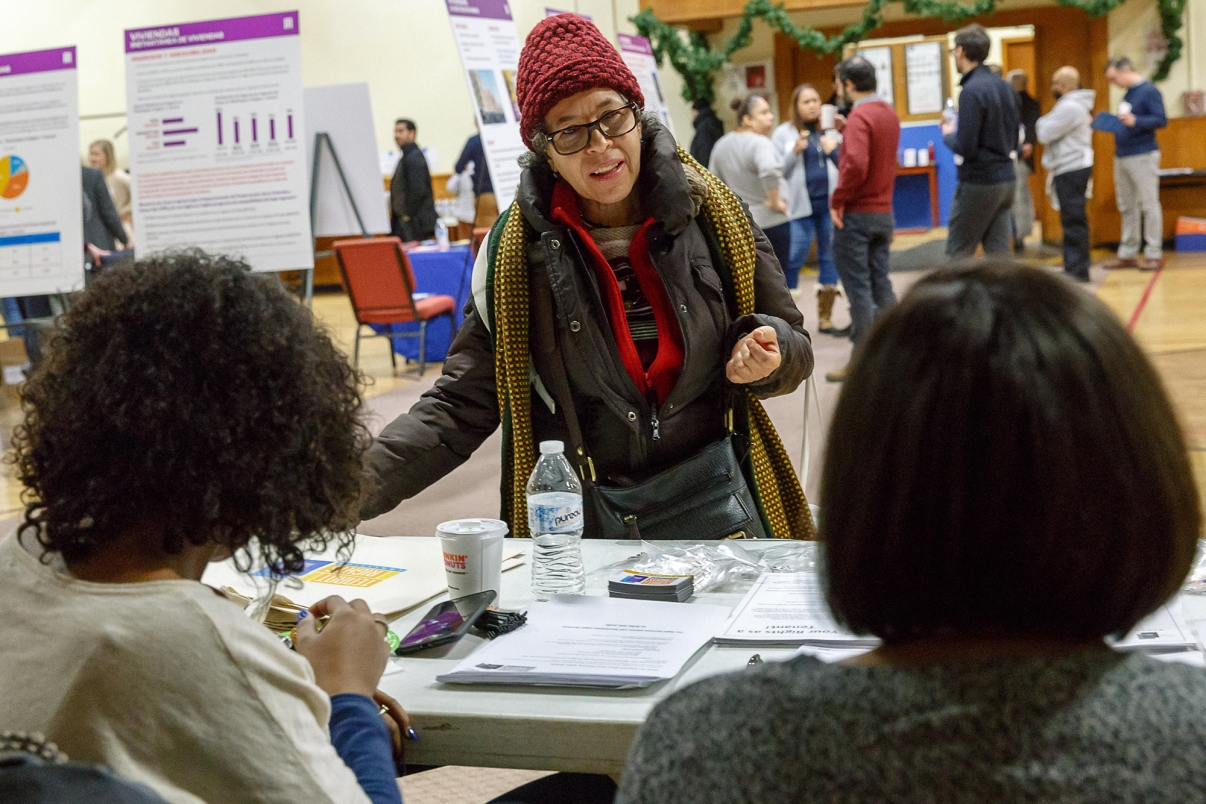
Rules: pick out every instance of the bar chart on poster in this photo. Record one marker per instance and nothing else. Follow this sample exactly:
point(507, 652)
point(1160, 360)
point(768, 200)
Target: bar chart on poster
point(216, 151)
point(41, 229)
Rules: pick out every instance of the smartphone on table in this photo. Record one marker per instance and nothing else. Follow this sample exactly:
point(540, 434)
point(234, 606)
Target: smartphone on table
point(446, 622)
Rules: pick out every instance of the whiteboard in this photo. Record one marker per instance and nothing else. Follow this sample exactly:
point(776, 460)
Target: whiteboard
point(345, 113)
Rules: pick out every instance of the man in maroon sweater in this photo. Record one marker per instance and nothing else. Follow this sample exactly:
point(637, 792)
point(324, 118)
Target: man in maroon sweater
point(861, 206)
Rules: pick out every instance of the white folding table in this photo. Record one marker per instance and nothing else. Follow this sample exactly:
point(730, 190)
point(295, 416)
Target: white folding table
point(559, 729)
point(539, 728)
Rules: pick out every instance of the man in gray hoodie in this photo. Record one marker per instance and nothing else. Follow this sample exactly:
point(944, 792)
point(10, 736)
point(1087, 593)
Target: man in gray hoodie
point(1068, 158)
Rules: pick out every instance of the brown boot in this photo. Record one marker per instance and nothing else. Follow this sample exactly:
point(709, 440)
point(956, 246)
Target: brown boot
point(825, 296)
point(837, 375)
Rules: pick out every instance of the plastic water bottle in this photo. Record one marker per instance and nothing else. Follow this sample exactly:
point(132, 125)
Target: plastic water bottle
point(442, 234)
point(555, 520)
point(950, 114)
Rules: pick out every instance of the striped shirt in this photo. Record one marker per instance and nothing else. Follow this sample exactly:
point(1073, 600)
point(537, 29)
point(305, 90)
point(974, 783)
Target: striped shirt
point(614, 243)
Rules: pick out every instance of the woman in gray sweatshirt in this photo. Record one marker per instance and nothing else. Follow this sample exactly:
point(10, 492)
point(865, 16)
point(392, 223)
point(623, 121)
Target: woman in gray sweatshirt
point(1012, 488)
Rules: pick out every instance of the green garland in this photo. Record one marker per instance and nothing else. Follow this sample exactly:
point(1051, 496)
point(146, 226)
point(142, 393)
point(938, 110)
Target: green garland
point(698, 63)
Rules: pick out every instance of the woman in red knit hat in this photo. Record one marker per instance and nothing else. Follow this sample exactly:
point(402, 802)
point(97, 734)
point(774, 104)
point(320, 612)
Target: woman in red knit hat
point(627, 280)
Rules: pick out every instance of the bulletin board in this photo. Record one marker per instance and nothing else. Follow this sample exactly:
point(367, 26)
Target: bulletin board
point(920, 74)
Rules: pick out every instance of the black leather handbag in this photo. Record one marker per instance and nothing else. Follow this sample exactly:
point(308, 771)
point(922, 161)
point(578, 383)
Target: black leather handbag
point(701, 498)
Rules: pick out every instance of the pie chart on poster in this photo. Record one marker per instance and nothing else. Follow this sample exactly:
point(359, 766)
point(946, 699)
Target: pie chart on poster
point(13, 176)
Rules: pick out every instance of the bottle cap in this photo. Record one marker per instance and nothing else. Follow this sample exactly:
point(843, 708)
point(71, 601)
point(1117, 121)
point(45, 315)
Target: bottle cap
point(552, 447)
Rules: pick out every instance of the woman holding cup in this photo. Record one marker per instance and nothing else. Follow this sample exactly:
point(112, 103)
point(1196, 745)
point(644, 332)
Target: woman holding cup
point(810, 159)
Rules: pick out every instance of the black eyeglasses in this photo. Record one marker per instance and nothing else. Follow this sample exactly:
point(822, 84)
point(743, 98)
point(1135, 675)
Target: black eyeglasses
point(616, 123)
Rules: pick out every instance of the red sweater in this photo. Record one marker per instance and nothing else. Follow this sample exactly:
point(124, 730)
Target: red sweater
point(867, 165)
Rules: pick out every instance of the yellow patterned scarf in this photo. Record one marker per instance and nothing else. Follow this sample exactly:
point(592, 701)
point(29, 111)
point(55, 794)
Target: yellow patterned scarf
point(776, 488)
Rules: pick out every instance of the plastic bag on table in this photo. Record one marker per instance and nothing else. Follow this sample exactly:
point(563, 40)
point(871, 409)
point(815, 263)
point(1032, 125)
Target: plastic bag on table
point(1195, 584)
point(710, 565)
point(789, 555)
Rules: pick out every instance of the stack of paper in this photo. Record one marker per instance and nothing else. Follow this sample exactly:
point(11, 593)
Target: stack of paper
point(642, 586)
point(785, 609)
point(579, 641)
point(1162, 631)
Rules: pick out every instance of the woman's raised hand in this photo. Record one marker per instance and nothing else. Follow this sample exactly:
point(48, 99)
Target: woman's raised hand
point(349, 654)
point(754, 357)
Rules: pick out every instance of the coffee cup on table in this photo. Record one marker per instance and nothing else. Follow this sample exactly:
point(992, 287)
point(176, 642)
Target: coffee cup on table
point(472, 551)
point(909, 158)
point(923, 157)
point(828, 117)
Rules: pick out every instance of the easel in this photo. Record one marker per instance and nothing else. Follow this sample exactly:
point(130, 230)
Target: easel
point(320, 139)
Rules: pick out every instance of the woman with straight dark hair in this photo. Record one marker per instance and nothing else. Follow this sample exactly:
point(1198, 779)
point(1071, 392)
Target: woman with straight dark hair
point(1013, 487)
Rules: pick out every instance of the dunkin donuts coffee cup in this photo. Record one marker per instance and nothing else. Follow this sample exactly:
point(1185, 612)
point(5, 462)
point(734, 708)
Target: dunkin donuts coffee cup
point(473, 551)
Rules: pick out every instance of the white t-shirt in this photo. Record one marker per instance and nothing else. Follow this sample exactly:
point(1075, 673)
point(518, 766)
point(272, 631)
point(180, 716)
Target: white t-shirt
point(167, 683)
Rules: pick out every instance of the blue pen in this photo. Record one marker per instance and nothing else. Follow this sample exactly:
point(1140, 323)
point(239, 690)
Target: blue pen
point(412, 734)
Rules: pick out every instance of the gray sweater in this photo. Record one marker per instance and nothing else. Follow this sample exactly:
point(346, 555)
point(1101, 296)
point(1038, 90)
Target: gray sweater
point(750, 165)
point(1091, 727)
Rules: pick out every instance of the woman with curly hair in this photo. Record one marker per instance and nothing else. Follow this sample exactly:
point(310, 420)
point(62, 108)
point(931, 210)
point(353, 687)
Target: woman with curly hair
point(187, 410)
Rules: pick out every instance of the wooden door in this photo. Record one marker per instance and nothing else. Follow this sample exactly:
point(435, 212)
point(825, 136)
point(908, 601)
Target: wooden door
point(1018, 54)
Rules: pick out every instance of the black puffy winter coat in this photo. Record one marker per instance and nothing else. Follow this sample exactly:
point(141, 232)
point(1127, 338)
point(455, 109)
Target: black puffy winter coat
point(453, 419)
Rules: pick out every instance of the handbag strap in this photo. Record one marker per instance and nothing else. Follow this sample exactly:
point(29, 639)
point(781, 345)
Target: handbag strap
point(558, 378)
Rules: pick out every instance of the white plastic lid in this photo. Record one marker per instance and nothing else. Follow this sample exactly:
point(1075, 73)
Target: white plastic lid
point(552, 447)
point(469, 527)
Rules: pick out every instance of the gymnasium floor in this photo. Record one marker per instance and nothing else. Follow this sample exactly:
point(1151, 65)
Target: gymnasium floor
point(1166, 312)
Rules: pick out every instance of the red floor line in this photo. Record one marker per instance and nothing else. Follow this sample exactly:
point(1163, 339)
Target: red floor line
point(1147, 292)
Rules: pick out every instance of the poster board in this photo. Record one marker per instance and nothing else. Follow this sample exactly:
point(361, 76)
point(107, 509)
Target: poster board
point(489, 47)
point(881, 60)
point(216, 134)
point(637, 53)
point(553, 12)
point(924, 73)
point(344, 112)
point(917, 72)
point(41, 229)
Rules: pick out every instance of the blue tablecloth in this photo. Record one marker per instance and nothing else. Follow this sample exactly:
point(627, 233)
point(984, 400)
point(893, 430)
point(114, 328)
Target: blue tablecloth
point(440, 273)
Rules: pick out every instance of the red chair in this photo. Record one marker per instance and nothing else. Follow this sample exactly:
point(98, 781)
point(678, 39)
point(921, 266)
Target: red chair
point(381, 286)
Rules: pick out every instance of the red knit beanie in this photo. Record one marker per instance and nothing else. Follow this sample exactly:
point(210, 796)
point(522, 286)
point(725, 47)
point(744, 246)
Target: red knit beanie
point(565, 55)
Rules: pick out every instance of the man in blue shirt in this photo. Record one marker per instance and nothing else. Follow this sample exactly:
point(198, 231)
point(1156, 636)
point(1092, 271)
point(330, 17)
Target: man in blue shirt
point(1136, 160)
point(483, 188)
point(985, 137)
